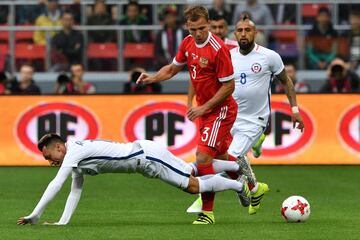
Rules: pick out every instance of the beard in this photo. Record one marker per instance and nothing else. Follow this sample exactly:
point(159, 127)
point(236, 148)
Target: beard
point(245, 45)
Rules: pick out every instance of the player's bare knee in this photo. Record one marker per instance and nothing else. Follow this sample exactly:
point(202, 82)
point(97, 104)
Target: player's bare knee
point(203, 158)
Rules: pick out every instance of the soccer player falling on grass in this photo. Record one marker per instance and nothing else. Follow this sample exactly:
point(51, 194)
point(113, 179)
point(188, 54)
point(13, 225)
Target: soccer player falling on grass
point(254, 68)
point(212, 80)
point(92, 157)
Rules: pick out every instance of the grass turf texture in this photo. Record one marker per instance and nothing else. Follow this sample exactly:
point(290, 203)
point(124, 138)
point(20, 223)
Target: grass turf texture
point(122, 206)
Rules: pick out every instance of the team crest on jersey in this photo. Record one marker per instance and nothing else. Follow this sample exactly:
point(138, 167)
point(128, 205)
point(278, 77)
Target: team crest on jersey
point(203, 62)
point(256, 67)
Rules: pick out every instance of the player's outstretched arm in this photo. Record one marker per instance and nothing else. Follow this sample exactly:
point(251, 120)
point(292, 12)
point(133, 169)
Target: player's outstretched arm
point(163, 74)
point(49, 194)
point(291, 95)
point(73, 199)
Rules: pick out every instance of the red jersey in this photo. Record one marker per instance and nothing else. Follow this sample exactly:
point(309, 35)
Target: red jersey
point(209, 65)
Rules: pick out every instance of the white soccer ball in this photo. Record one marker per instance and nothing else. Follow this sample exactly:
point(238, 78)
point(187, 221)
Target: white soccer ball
point(295, 209)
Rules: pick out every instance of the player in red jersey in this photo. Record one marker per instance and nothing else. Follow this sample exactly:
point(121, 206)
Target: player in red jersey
point(212, 81)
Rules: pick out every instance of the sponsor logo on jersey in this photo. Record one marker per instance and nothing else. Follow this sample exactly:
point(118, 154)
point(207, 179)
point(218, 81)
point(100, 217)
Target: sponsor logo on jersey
point(203, 62)
point(349, 128)
point(256, 67)
point(69, 120)
point(165, 123)
point(284, 140)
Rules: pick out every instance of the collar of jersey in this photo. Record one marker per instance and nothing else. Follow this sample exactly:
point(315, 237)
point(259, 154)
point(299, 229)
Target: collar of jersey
point(204, 43)
point(253, 50)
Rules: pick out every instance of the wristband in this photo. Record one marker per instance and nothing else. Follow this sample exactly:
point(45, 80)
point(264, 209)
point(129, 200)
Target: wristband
point(295, 109)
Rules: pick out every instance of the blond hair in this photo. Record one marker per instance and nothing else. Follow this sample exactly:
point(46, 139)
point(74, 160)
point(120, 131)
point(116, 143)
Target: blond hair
point(193, 13)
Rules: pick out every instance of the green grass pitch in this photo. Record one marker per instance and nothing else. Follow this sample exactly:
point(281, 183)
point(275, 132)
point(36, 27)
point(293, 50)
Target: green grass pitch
point(123, 206)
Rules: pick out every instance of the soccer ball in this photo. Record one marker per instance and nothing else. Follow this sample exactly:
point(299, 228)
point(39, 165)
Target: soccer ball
point(295, 209)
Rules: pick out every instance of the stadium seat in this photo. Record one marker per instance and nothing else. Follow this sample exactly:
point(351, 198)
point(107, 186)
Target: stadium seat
point(102, 50)
point(139, 50)
point(311, 10)
point(286, 50)
point(4, 49)
point(4, 37)
point(24, 36)
point(27, 52)
point(285, 36)
point(102, 56)
point(343, 48)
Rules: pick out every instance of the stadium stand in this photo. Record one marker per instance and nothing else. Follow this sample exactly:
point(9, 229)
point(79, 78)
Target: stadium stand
point(112, 58)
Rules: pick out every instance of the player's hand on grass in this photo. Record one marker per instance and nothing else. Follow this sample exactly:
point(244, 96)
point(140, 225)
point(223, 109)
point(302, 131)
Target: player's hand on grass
point(145, 79)
point(195, 112)
point(296, 118)
point(23, 221)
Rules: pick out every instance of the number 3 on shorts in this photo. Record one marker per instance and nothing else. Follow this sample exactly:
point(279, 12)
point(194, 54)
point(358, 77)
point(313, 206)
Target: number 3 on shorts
point(205, 134)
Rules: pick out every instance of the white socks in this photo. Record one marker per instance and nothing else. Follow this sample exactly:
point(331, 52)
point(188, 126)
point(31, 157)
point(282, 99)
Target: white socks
point(220, 166)
point(216, 183)
point(224, 166)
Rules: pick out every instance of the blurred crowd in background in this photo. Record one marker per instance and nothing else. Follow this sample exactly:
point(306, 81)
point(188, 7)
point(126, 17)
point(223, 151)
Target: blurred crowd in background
point(72, 51)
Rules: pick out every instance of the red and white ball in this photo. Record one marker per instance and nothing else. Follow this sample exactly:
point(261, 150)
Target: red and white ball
point(295, 209)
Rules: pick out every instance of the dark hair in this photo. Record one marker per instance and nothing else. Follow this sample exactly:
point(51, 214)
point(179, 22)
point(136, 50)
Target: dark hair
point(217, 17)
point(48, 139)
point(324, 10)
point(133, 3)
point(193, 13)
point(63, 78)
point(245, 16)
point(77, 63)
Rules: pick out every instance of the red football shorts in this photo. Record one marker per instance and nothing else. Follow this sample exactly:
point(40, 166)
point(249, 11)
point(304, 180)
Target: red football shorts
point(215, 136)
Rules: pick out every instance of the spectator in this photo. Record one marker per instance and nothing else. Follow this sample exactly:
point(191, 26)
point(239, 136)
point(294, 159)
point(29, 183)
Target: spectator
point(284, 13)
point(27, 14)
point(101, 17)
point(3, 83)
point(261, 14)
point(61, 83)
point(75, 9)
point(340, 78)
point(354, 37)
point(321, 44)
point(220, 8)
point(133, 17)
point(26, 85)
point(51, 18)
point(4, 13)
point(67, 45)
point(132, 87)
point(300, 86)
point(77, 85)
point(169, 38)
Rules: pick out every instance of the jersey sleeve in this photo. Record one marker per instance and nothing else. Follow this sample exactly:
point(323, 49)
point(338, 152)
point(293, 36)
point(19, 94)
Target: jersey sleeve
point(223, 66)
point(275, 62)
point(180, 58)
